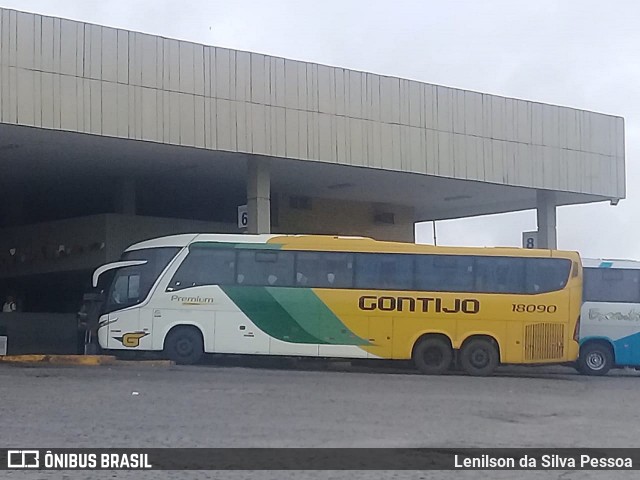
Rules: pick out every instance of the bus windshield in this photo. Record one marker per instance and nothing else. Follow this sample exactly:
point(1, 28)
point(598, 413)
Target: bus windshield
point(131, 285)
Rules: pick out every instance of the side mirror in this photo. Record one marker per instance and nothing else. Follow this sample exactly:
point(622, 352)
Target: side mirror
point(93, 297)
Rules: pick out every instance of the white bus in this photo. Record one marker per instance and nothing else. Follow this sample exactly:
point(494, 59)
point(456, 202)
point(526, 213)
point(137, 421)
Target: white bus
point(610, 316)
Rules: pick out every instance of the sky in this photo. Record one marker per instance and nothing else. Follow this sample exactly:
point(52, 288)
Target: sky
point(583, 54)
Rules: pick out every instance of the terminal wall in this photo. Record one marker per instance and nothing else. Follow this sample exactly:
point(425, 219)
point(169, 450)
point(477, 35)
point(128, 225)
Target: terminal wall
point(67, 75)
point(63, 245)
point(338, 217)
point(84, 243)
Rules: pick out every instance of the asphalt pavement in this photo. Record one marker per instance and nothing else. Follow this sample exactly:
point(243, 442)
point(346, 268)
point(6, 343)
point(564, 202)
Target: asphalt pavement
point(261, 404)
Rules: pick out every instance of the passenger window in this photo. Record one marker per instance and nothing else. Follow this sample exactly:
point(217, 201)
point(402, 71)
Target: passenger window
point(444, 273)
point(384, 271)
point(204, 266)
point(324, 270)
point(500, 275)
point(611, 285)
point(269, 268)
point(546, 274)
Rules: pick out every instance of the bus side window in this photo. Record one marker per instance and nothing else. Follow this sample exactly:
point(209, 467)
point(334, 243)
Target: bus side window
point(384, 271)
point(265, 267)
point(611, 285)
point(440, 273)
point(546, 274)
point(324, 269)
point(500, 274)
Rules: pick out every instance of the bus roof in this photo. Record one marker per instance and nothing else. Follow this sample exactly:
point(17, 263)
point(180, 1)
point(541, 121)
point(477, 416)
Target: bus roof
point(185, 239)
point(341, 243)
point(610, 263)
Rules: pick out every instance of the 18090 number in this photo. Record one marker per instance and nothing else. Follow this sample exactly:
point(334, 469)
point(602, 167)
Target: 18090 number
point(532, 308)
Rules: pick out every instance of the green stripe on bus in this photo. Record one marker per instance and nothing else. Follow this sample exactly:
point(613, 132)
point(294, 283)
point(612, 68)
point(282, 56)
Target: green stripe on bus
point(268, 315)
point(311, 313)
point(260, 246)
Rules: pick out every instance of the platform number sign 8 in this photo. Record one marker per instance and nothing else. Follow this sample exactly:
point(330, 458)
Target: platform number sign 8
point(243, 216)
point(530, 239)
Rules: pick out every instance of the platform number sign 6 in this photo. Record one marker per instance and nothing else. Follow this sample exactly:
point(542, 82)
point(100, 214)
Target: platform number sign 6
point(243, 216)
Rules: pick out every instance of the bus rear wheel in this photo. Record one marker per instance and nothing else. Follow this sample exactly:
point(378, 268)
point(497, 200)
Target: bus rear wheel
point(432, 355)
point(479, 357)
point(595, 359)
point(184, 345)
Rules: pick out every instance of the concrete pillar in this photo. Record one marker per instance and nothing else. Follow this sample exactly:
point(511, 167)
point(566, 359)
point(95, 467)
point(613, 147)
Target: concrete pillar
point(258, 196)
point(546, 215)
point(125, 196)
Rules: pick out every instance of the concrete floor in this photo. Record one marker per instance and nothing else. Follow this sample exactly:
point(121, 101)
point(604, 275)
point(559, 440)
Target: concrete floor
point(232, 405)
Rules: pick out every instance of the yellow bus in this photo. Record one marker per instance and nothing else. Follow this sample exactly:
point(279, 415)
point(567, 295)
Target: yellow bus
point(341, 297)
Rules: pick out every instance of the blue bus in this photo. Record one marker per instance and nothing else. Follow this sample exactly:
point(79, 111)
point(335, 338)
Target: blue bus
point(610, 316)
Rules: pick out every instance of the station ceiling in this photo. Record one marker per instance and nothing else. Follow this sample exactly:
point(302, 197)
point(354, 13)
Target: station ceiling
point(33, 159)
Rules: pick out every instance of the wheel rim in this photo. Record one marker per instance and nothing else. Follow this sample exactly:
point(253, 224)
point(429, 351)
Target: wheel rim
point(184, 347)
point(595, 361)
point(433, 357)
point(479, 358)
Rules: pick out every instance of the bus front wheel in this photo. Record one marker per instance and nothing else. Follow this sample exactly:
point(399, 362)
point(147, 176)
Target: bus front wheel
point(432, 355)
point(595, 359)
point(479, 357)
point(184, 345)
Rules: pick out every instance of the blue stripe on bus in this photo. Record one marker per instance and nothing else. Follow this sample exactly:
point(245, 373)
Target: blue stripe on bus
point(627, 350)
point(606, 264)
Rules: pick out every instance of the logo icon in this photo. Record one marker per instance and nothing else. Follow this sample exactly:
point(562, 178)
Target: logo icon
point(23, 459)
point(131, 339)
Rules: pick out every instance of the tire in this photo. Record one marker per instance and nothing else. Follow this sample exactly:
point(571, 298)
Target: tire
point(595, 359)
point(432, 356)
point(184, 345)
point(479, 357)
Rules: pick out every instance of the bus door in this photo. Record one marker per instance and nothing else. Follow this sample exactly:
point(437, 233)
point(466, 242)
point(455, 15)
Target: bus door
point(124, 318)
